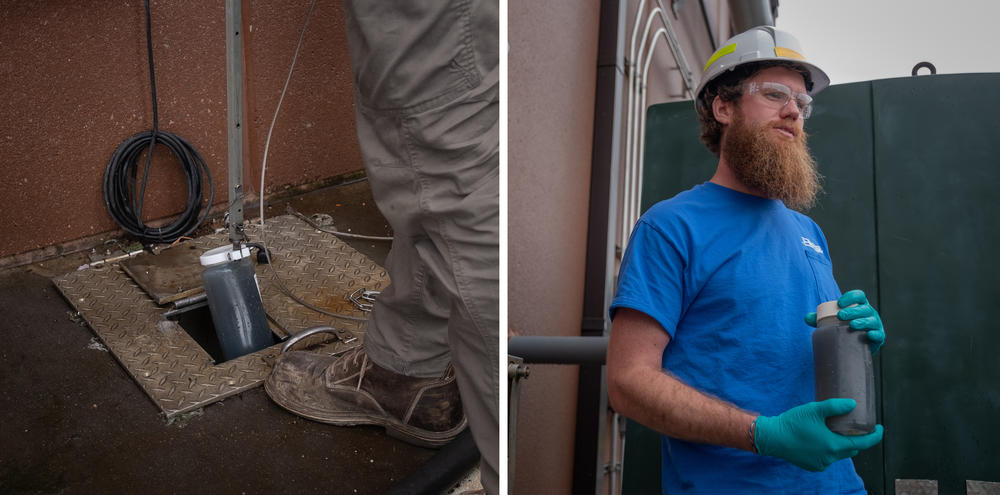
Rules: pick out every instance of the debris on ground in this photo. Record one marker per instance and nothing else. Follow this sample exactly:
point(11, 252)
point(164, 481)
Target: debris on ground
point(77, 318)
point(181, 420)
point(96, 345)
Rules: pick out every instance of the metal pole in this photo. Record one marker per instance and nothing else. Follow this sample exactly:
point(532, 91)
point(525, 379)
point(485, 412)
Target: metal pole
point(234, 117)
point(559, 350)
point(516, 370)
point(614, 473)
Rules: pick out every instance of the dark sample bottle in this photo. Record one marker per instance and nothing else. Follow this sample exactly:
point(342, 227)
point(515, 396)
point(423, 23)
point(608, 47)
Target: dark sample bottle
point(234, 300)
point(843, 364)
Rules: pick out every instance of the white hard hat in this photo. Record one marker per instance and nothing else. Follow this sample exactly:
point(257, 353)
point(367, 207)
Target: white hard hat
point(760, 44)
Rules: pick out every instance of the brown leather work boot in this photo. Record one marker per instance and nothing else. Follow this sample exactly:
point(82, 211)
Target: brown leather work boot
point(351, 390)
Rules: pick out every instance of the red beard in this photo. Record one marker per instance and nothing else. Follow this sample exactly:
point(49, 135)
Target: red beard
point(776, 167)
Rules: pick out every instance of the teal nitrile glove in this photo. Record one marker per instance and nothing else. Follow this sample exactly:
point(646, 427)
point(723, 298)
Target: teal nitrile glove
point(801, 437)
point(862, 317)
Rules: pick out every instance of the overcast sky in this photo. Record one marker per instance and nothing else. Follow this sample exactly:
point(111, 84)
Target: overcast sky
point(860, 40)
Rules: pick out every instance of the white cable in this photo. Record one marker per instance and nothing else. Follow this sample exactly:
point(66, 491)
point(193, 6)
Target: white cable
point(263, 173)
point(289, 209)
point(270, 130)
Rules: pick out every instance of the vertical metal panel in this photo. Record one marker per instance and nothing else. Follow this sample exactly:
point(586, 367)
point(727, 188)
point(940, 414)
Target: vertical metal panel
point(840, 138)
point(937, 177)
point(841, 141)
point(674, 160)
point(641, 467)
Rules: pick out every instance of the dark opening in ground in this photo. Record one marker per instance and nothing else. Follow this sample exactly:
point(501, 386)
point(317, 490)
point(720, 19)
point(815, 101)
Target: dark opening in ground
point(197, 322)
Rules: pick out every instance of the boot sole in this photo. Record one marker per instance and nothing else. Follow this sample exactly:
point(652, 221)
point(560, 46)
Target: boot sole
point(393, 428)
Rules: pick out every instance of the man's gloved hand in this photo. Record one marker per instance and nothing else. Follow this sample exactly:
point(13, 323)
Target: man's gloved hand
point(862, 317)
point(800, 435)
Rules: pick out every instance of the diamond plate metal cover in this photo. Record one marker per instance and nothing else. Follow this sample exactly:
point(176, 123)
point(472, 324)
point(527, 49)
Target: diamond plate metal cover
point(317, 268)
point(176, 373)
point(175, 272)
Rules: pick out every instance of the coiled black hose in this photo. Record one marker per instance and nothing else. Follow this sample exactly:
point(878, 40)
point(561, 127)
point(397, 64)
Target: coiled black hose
point(125, 207)
point(120, 197)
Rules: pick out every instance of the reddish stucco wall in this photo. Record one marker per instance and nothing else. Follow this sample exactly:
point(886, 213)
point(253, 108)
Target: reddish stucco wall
point(75, 84)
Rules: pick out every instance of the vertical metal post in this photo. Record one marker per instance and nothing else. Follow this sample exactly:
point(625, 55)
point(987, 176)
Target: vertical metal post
point(234, 116)
point(592, 404)
point(516, 370)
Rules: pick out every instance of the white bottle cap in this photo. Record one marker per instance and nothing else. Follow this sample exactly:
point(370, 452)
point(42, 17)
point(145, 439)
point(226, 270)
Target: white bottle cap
point(829, 308)
point(223, 254)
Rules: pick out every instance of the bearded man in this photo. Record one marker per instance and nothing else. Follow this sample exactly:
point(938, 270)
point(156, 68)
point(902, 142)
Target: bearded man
point(708, 344)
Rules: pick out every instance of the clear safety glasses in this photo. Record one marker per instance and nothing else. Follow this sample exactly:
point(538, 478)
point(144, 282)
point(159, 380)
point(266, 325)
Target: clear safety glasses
point(778, 95)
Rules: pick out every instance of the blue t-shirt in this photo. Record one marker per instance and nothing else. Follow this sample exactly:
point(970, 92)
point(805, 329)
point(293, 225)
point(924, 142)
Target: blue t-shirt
point(730, 276)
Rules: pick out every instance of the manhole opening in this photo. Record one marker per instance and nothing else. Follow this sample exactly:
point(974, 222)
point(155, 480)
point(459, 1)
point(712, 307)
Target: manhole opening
point(197, 322)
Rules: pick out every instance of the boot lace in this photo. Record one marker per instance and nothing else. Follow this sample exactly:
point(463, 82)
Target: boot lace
point(352, 360)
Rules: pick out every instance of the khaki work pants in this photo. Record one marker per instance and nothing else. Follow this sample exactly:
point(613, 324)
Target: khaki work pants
point(427, 103)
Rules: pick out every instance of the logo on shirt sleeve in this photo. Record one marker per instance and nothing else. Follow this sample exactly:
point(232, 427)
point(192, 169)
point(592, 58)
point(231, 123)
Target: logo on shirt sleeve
point(810, 244)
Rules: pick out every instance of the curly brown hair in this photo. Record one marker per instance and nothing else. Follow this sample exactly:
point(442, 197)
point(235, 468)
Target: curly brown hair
point(729, 87)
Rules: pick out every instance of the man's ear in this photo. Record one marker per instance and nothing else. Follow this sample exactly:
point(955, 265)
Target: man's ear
point(723, 110)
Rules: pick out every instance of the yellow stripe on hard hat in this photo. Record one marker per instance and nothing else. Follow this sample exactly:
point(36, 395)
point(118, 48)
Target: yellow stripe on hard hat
point(721, 52)
point(788, 52)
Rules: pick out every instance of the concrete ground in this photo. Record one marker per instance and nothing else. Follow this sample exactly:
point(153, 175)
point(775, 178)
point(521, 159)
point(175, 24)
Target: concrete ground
point(73, 421)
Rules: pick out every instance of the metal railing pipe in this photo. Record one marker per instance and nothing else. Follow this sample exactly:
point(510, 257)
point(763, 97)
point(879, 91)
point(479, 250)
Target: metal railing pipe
point(640, 165)
point(633, 158)
point(675, 49)
point(632, 69)
point(631, 137)
point(559, 350)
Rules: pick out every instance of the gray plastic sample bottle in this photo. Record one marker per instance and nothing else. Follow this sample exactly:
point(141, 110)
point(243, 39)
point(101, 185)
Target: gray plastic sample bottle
point(234, 300)
point(843, 364)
